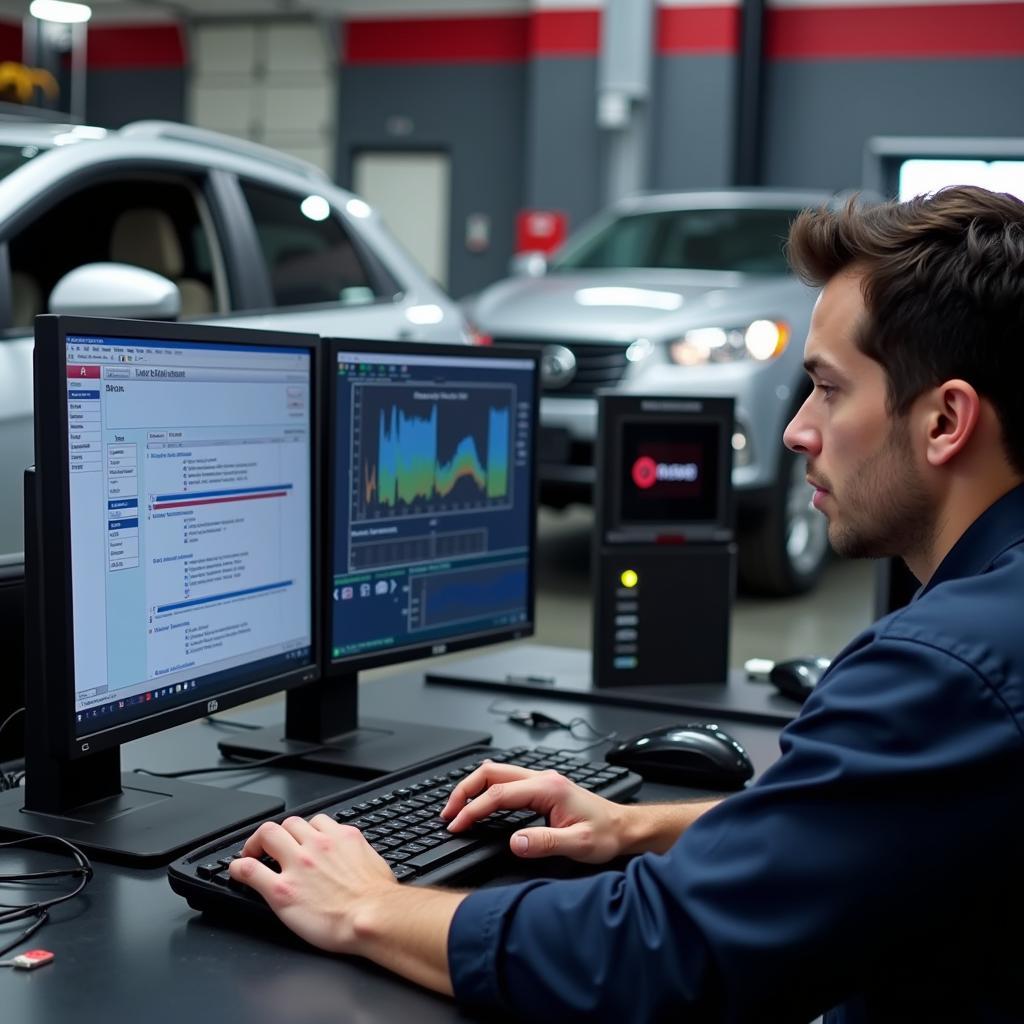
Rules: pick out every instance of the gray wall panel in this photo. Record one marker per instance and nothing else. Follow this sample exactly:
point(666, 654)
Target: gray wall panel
point(476, 114)
point(694, 115)
point(563, 142)
point(820, 113)
point(115, 97)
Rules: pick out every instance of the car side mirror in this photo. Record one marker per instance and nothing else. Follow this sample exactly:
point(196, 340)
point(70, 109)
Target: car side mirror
point(116, 289)
point(531, 263)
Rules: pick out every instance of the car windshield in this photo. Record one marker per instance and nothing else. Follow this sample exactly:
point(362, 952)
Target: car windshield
point(747, 241)
point(12, 157)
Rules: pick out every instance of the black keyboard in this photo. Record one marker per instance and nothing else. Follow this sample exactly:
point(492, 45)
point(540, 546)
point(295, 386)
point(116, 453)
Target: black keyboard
point(399, 816)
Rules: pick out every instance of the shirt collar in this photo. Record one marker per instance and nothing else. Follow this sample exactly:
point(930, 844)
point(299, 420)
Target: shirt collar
point(999, 527)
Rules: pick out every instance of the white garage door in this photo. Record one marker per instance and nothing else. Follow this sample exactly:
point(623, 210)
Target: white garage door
point(411, 190)
point(273, 82)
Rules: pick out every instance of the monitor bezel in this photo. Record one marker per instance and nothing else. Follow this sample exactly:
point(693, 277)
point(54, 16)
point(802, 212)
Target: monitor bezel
point(334, 667)
point(615, 412)
point(54, 525)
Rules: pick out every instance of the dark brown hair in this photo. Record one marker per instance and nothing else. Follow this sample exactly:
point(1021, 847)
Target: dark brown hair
point(943, 284)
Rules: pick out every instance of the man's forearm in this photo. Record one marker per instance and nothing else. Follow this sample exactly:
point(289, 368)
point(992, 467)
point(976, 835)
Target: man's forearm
point(653, 828)
point(406, 931)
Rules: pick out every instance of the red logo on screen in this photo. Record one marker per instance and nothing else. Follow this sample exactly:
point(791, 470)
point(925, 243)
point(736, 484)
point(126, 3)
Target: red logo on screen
point(645, 472)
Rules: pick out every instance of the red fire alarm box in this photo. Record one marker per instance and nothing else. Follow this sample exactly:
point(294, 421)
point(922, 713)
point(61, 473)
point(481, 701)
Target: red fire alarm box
point(540, 230)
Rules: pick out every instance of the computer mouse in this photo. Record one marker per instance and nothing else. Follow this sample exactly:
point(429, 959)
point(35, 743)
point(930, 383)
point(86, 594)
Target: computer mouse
point(798, 676)
point(697, 754)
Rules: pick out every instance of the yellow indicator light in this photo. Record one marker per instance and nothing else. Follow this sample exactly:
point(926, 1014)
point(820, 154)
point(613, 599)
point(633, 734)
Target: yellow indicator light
point(629, 578)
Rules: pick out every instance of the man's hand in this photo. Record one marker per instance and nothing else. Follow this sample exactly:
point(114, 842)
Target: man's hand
point(335, 892)
point(328, 872)
point(583, 826)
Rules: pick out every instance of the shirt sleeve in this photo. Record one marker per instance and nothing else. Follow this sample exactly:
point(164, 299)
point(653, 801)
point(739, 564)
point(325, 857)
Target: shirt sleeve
point(788, 895)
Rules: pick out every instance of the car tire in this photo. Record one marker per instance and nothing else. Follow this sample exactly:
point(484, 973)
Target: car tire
point(787, 550)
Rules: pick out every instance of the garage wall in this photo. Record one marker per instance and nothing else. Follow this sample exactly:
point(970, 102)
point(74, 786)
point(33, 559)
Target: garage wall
point(452, 85)
point(134, 72)
point(839, 74)
point(695, 95)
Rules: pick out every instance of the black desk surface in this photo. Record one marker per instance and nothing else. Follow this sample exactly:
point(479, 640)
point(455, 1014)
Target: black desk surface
point(130, 949)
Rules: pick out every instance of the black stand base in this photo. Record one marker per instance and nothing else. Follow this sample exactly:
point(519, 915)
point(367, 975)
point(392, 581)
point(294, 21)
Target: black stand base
point(564, 673)
point(149, 823)
point(378, 746)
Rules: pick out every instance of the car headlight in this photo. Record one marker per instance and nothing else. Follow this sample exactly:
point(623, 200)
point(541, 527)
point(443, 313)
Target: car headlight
point(760, 340)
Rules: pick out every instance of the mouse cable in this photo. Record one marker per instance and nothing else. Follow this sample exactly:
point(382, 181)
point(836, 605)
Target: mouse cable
point(542, 720)
point(9, 780)
point(245, 764)
point(40, 909)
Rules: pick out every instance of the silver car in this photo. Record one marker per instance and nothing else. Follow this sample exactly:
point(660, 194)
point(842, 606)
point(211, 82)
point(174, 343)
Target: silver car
point(163, 221)
point(684, 293)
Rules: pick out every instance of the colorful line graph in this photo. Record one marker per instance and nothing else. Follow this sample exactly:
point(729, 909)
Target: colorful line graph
point(438, 454)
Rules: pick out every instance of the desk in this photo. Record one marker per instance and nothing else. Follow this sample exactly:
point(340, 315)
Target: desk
point(129, 949)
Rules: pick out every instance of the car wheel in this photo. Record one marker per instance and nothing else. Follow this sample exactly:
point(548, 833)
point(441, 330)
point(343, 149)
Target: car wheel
point(786, 551)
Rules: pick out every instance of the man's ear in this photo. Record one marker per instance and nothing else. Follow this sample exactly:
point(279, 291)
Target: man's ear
point(952, 411)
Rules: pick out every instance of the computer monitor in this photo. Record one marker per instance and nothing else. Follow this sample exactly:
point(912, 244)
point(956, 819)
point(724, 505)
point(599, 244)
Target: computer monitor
point(430, 530)
point(171, 565)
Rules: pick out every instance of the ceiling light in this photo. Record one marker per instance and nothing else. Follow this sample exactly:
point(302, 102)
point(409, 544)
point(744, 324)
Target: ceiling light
point(60, 11)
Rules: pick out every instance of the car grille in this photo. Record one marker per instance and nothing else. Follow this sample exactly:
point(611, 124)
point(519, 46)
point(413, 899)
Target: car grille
point(597, 365)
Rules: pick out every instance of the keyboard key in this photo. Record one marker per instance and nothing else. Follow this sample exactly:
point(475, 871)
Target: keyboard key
point(440, 854)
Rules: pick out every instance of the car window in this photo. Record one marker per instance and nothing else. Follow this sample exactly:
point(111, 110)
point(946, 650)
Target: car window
point(12, 157)
point(308, 260)
point(152, 223)
point(748, 241)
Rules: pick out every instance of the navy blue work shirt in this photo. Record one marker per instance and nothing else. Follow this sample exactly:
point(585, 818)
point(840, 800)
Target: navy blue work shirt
point(877, 868)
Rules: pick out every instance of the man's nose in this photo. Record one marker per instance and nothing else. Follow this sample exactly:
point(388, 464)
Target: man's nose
point(801, 435)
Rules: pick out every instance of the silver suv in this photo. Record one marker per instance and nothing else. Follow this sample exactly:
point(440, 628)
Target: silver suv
point(160, 220)
point(685, 293)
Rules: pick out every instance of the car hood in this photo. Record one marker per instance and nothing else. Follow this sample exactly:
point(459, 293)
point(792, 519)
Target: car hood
point(621, 305)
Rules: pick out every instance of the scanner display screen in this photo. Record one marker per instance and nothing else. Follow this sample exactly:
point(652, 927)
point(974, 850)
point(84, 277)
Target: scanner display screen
point(669, 472)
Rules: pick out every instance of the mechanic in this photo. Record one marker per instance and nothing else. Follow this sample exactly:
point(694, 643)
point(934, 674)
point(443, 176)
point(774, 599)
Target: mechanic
point(873, 872)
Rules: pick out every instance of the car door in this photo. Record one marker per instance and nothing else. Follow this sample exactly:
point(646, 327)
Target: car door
point(153, 217)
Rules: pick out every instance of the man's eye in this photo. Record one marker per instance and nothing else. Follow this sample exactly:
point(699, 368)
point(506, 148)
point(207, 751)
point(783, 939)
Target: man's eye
point(827, 390)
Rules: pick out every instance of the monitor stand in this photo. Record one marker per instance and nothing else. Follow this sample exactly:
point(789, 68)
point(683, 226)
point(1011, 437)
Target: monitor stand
point(87, 800)
point(123, 817)
point(324, 732)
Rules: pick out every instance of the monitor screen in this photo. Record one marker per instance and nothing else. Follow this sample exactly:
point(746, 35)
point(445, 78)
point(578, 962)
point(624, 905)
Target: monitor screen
point(432, 479)
point(669, 472)
point(190, 490)
point(665, 466)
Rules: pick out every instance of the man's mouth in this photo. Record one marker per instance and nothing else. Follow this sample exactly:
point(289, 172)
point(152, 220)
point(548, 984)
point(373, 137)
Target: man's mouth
point(820, 493)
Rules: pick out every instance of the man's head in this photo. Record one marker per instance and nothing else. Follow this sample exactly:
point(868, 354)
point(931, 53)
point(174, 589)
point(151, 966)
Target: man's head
point(916, 351)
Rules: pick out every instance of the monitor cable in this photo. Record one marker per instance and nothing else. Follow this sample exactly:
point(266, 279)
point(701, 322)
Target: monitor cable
point(244, 763)
point(39, 911)
point(10, 780)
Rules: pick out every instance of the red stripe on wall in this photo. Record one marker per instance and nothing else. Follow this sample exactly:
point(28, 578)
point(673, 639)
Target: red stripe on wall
point(961, 30)
point(436, 40)
point(565, 33)
point(481, 40)
point(708, 30)
point(113, 47)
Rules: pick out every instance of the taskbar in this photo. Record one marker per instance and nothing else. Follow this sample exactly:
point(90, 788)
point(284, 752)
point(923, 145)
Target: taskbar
point(182, 693)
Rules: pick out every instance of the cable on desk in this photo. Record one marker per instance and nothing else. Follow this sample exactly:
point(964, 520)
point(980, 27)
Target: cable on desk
point(230, 723)
point(245, 764)
point(542, 720)
point(40, 909)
